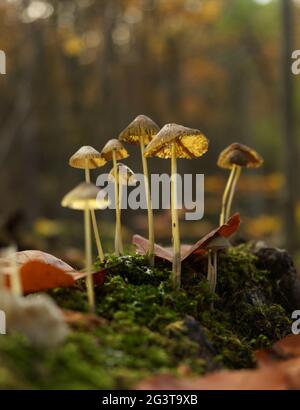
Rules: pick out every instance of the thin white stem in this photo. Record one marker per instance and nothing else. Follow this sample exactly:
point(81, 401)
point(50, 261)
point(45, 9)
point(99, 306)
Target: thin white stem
point(118, 234)
point(87, 172)
point(176, 268)
point(225, 195)
point(97, 236)
point(88, 260)
point(149, 204)
point(16, 286)
point(94, 219)
point(237, 174)
point(209, 264)
point(215, 265)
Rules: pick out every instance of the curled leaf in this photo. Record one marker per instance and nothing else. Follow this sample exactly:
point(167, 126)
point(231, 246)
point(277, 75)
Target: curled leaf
point(198, 249)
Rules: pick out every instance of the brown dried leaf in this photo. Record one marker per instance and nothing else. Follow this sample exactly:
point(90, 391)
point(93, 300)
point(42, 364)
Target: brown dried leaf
point(198, 249)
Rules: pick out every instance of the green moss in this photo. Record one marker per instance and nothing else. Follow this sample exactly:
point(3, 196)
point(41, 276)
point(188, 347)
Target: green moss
point(152, 329)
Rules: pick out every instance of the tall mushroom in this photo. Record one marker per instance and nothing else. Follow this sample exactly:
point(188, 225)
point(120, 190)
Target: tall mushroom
point(114, 151)
point(176, 141)
point(141, 131)
point(235, 157)
point(88, 158)
point(84, 198)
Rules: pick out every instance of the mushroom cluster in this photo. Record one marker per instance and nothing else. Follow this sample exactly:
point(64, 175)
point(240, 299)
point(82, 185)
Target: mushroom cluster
point(172, 141)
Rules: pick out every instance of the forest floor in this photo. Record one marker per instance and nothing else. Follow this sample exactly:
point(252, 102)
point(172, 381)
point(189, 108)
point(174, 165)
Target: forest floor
point(144, 328)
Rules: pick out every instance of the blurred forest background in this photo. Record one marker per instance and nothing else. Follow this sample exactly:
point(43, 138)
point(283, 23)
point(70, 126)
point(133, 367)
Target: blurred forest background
point(79, 71)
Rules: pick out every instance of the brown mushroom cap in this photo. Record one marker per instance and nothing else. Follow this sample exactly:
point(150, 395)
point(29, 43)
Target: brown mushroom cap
point(190, 143)
point(241, 155)
point(87, 156)
point(116, 146)
point(217, 242)
point(84, 195)
point(141, 126)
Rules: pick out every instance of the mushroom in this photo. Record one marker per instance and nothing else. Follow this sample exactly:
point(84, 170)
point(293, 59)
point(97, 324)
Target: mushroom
point(176, 141)
point(85, 198)
point(141, 131)
point(88, 158)
point(125, 176)
point(235, 157)
point(213, 246)
point(114, 151)
point(9, 265)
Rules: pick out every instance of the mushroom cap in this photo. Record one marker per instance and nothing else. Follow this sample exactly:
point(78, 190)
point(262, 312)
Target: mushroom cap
point(239, 154)
point(87, 156)
point(126, 175)
point(190, 143)
point(217, 242)
point(85, 195)
point(116, 146)
point(141, 126)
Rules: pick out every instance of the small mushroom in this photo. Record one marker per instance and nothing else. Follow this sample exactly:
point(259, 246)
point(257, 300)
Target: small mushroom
point(85, 198)
point(141, 131)
point(125, 176)
point(176, 141)
point(114, 151)
point(9, 265)
point(235, 157)
point(213, 246)
point(88, 158)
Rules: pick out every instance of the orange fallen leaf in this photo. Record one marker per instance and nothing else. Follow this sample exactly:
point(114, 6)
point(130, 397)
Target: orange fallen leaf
point(40, 271)
point(279, 369)
point(286, 348)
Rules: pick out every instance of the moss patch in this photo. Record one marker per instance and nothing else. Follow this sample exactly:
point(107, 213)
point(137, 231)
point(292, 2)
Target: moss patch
point(152, 329)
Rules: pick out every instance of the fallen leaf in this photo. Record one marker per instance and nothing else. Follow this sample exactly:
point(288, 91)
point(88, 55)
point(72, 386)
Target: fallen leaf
point(79, 319)
point(40, 271)
point(226, 230)
point(286, 348)
point(142, 246)
point(223, 380)
point(279, 369)
point(161, 253)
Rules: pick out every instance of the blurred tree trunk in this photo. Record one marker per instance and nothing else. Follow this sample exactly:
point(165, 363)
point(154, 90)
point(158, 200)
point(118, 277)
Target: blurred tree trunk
point(290, 146)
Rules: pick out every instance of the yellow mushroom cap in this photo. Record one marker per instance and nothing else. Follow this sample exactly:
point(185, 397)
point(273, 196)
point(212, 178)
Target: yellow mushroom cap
point(87, 156)
point(85, 195)
point(116, 146)
point(141, 126)
point(190, 143)
point(125, 174)
point(241, 155)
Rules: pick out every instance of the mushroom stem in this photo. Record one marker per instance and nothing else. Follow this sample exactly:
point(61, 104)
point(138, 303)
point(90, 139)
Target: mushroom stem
point(209, 270)
point(88, 259)
point(149, 204)
point(176, 268)
point(215, 271)
point(16, 286)
point(236, 176)
point(226, 194)
point(118, 233)
point(94, 220)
